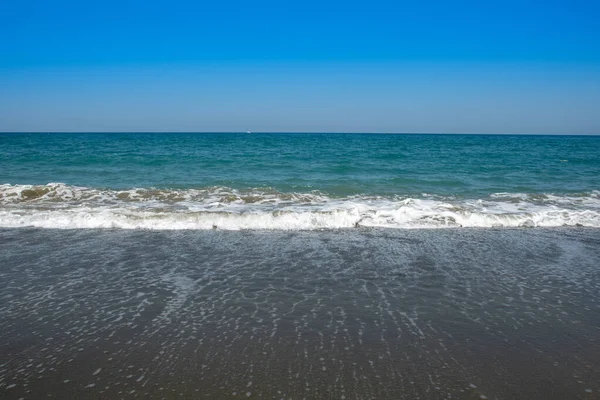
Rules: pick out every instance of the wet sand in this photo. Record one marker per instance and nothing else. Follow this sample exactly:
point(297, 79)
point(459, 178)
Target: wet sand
point(350, 314)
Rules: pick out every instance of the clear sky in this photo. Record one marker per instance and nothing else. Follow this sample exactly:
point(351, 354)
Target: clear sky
point(372, 66)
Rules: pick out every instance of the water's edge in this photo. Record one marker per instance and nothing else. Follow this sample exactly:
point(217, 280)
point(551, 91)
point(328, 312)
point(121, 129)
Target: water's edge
point(354, 313)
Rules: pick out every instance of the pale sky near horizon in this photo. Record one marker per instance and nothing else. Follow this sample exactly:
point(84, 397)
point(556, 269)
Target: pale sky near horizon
point(465, 67)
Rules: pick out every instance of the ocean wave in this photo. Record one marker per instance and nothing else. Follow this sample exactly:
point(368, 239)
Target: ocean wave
point(57, 205)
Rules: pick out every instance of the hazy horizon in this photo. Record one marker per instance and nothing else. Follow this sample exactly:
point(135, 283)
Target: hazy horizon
point(298, 133)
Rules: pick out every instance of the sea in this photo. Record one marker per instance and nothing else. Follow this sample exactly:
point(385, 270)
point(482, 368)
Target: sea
point(299, 266)
point(297, 181)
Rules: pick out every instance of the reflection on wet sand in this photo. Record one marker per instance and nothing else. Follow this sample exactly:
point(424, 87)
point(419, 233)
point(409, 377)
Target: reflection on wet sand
point(351, 314)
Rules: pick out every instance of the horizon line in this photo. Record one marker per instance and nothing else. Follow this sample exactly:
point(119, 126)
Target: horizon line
point(304, 132)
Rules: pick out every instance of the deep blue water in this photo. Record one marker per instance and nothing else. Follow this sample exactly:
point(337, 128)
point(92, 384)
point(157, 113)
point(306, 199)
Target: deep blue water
point(372, 179)
point(337, 164)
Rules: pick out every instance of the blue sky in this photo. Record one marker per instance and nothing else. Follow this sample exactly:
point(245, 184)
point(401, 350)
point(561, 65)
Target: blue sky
point(431, 66)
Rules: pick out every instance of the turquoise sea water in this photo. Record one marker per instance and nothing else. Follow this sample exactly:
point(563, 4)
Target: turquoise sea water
point(297, 181)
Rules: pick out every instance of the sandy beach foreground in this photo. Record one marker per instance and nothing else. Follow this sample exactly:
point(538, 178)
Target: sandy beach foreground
point(341, 314)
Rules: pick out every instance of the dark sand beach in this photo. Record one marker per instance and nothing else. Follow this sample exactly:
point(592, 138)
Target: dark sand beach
point(349, 314)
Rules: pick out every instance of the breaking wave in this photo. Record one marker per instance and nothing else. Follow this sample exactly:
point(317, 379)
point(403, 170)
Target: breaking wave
point(58, 205)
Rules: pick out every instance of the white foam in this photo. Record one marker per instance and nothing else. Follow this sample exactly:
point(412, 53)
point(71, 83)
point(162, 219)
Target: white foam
point(61, 206)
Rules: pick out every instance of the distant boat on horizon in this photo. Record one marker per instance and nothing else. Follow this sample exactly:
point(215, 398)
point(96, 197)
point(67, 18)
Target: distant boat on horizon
point(248, 131)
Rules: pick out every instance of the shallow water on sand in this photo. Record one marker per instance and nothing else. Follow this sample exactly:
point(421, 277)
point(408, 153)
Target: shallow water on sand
point(354, 314)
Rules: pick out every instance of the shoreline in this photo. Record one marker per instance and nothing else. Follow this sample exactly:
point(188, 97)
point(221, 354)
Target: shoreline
point(359, 313)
